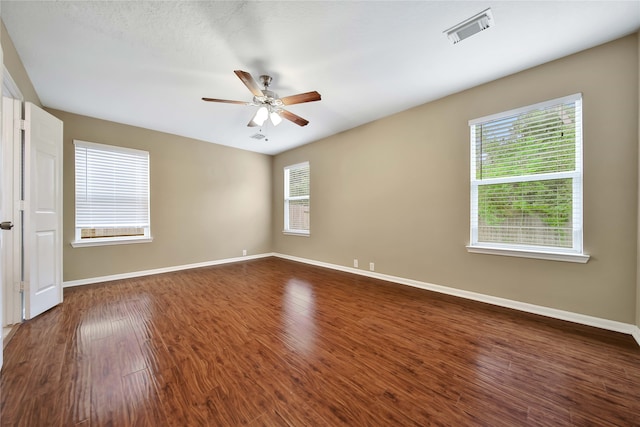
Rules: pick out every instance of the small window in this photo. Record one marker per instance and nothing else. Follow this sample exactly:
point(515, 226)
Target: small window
point(296, 199)
point(112, 195)
point(526, 179)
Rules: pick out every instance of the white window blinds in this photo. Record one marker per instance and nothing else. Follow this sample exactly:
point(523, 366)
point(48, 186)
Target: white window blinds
point(526, 177)
point(112, 191)
point(296, 198)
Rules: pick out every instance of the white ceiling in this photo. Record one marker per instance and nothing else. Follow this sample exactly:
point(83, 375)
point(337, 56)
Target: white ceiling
point(149, 64)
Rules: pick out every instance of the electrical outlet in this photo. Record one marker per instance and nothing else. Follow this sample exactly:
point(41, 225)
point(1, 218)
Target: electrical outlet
point(244, 252)
point(355, 263)
point(372, 266)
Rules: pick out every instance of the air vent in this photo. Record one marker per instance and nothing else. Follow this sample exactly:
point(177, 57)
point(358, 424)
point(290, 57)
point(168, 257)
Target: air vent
point(257, 136)
point(471, 26)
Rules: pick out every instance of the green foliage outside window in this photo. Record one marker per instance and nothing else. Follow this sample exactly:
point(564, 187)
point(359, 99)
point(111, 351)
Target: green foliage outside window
point(538, 142)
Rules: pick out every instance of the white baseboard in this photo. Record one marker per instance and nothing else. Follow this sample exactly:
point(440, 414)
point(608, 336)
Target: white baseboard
point(597, 322)
point(636, 334)
point(133, 274)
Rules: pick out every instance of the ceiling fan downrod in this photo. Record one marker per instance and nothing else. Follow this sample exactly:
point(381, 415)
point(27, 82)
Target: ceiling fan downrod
point(266, 80)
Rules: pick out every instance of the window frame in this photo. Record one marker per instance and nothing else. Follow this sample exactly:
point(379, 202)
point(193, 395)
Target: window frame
point(114, 240)
point(573, 254)
point(287, 229)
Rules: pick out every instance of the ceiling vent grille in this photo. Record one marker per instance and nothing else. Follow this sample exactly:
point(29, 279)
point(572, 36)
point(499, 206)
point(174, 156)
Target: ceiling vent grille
point(471, 26)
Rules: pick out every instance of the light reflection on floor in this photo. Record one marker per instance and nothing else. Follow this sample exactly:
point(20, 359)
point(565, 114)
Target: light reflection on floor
point(299, 308)
point(119, 325)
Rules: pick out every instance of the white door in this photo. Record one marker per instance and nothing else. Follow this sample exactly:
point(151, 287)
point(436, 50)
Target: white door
point(42, 211)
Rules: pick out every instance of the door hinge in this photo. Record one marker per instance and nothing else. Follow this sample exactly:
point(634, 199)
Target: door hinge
point(21, 124)
point(20, 287)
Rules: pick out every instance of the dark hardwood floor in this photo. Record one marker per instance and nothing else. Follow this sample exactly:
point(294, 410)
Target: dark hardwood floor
point(276, 343)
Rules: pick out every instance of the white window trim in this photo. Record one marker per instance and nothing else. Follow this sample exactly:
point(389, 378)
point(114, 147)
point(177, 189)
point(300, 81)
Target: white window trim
point(109, 241)
point(575, 254)
point(303, 233)
point(527, 252)
point(287, 230)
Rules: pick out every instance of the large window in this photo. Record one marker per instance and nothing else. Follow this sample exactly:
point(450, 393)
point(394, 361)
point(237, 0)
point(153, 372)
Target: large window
point(296, 199)
point(526, 181)
point(112, 194)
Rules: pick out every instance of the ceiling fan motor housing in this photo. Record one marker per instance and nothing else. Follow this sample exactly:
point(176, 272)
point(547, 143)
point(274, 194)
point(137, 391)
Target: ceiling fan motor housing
point(270, 98)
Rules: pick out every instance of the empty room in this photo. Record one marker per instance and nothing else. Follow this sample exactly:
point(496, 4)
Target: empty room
point(311, 213)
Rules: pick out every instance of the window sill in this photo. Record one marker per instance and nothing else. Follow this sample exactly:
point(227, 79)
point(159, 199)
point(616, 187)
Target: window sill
point(296, 233)
point(109, 242)
point(530, 253)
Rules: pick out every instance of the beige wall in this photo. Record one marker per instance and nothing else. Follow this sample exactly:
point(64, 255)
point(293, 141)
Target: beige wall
point(16, 68)
point(396, 191)
point(208, 201)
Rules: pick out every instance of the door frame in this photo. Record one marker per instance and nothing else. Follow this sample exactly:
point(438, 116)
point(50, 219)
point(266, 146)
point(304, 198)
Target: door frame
point(2, 192)
point(12, 301)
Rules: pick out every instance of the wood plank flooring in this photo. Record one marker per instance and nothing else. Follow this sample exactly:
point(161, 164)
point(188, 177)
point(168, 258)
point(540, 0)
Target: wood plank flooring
point(272, 342)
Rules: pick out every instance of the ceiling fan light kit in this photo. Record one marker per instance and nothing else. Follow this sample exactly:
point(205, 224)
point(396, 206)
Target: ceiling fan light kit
point(275, 118)
point(260, 117)
point(269, 103)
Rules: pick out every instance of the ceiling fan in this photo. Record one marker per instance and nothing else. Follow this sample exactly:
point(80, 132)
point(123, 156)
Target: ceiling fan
point(269, 102)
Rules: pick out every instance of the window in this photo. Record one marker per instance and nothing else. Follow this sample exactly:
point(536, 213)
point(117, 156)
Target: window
point(526, 181)
point(112, 195)
point(296, 199)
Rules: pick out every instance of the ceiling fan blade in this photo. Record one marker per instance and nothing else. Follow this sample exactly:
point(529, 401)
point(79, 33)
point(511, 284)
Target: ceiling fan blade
point(249, 82)
point(225, 101)
point(301, 97)
point(293, 118)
